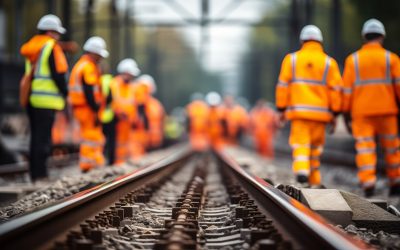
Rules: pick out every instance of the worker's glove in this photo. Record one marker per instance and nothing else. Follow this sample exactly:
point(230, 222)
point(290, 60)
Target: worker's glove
point(347, 122)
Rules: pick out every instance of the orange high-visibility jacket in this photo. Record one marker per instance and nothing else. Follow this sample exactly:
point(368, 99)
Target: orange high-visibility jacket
point(122, 98)
point(309, 85)
point(33, 47)
point(198, 112)
point(142, 92)
point(236, 118)
point(88, 70)
point(371, 82)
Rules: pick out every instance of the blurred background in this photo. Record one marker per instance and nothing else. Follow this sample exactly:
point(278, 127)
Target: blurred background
point(230, 46)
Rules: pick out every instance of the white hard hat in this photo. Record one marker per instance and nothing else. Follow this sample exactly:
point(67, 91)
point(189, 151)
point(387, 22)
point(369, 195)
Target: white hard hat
point(311, 32)
point(213, 98)
point(128, 66)
point(50, 22)
point(96, 45)
point(149, 81)
point(373, 26)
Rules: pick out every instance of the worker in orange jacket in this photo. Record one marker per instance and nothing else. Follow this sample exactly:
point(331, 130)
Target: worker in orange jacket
point(235, 120)
point(197, 113)
point(371, 92)
point(45, 57)
point(154, 112)
point(215, 120)
point(86, 99)
point(123, 106)
point(309, 94)
point(263, 123)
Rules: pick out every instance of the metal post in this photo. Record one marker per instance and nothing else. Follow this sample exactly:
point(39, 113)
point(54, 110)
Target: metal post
point(114, 32)
point(294, 24)
point(127, 24)
point(88, 18)
point(309, 11)
point(66, 12)
point(204, 25)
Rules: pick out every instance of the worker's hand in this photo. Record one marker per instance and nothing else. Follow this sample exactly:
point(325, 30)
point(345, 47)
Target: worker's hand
point(281, 119)
point(347, 122)
point(332, 126)
point(69, 46)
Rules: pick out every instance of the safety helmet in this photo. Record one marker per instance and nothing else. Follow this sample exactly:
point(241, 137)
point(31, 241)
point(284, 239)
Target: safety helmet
point(196, 96)
point(51, 22)
point(128, 66)
point(213, 98)
point(311, 32)
point(373, 26)
point(96, 45)
point(149, 81)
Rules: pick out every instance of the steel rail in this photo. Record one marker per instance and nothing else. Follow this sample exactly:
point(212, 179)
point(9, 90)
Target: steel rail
point(41, 228)
point(306, 227)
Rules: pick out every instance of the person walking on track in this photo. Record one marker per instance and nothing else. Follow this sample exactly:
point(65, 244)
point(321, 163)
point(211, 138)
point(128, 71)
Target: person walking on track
point(308, 94)
point(46, 62)
point(370, 104)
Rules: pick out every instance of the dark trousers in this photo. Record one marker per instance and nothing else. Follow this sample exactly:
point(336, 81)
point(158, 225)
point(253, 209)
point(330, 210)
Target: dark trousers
point(109, 147)
point(41, 122)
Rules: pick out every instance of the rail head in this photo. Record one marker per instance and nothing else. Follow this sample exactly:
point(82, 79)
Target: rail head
point(73, 205)
point(304, 217)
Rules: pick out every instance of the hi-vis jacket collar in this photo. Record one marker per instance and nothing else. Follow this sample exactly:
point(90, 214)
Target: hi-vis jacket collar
point(311, 45)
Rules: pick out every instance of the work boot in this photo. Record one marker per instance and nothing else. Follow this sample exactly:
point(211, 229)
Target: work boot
point(369, 191)
point(301, 178)
point(394, 190)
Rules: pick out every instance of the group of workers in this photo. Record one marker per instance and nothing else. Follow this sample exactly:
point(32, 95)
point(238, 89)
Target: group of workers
point(118, 109)
point(311, 93)
point(216, 123)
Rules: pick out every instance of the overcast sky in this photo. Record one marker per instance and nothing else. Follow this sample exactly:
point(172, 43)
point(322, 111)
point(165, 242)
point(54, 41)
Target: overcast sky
point(225, 44)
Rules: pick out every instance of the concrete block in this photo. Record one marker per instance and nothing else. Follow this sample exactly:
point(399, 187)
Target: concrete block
point(380, 203)
point(329, 203)
point(369, 215)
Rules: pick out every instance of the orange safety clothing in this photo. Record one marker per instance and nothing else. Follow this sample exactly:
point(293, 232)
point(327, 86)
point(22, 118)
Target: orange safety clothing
point(155, 112)
point(309, 85)
point(215, 127)
point(142, 92)
point(198, 115)
point(263, 122)
point(371, 79)
point(85, 69)
point(236, 121)
point(124, 109)
point(307, 139)
point(364, 131)
point(31, 50)
point(60, 131)
point(371, 83)
point(91, 147)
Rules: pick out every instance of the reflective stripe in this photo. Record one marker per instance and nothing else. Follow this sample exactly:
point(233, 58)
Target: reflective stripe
point(347, 90)
point(293, 66)
point(366, 167)
point(282, 84)
point(364, 139)
point(301, 158)
point(368, 184)
point(327, 65)
point(303, 172)
point(315, 158)
point(34, 92)
point(365, 150)
point(91, 143)
point(84, 159)
point(309, 108)
point(337, 88)
point(388, 137)
point(75, 88)
point(386, 80)
point(396, 80)
point(391, 150)
point(393, 165)
point(294, 146)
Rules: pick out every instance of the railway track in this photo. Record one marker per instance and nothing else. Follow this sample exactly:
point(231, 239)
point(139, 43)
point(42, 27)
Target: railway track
point(185, 201)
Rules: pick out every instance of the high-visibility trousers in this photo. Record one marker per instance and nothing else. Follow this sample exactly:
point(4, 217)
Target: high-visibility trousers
point(199, 141)
point(307, 139)
point(365, 129)
point(263, 141)
point(138, 141)
point(92, 138)
point(123, 129)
